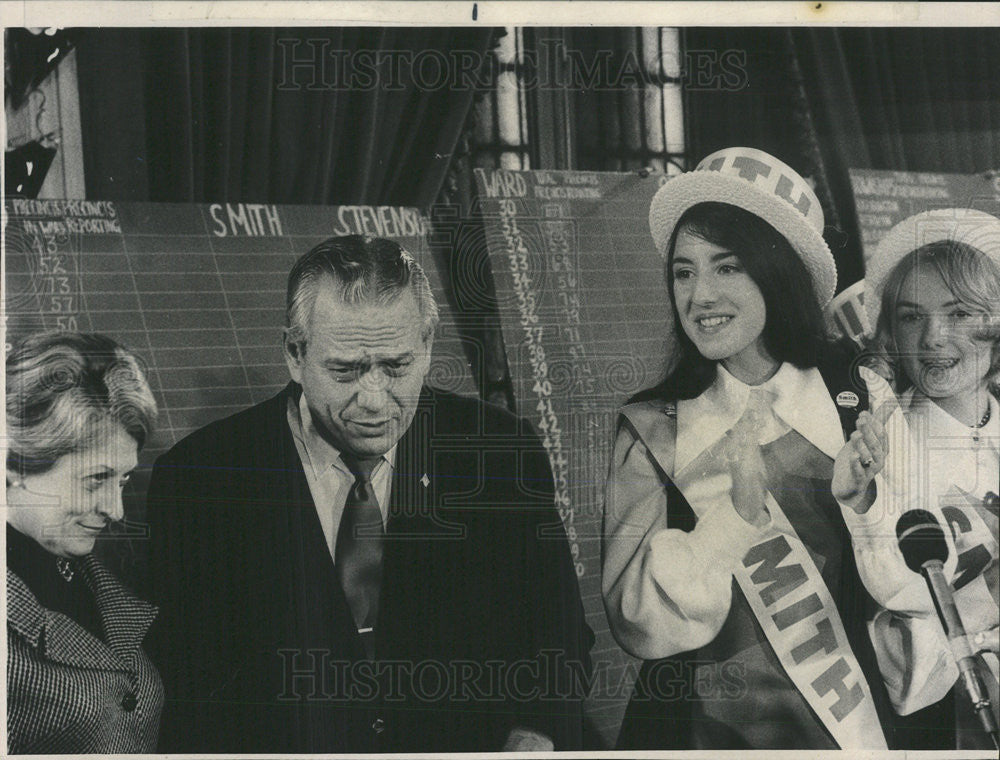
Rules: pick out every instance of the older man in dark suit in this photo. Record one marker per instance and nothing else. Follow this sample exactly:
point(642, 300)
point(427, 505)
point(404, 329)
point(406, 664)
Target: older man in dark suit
point(362, 563)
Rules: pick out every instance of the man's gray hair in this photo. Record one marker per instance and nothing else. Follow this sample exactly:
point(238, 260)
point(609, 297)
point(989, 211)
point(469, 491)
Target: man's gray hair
point(366, 269)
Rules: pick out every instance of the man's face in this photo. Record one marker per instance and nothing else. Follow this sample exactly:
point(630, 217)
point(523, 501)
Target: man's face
point(362, 369)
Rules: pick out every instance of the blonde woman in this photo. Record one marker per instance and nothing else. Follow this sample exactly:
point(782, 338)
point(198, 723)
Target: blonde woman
point(78, 681)
point(932, 291)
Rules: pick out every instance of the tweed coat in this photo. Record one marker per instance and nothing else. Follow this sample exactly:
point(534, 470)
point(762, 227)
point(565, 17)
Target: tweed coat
point(69, 692)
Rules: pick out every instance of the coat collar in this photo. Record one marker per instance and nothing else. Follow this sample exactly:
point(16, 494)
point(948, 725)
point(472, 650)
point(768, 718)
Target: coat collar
point(125, 619)
point(798, 397)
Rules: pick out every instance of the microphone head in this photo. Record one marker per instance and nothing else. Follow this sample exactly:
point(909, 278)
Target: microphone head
point(921, 539)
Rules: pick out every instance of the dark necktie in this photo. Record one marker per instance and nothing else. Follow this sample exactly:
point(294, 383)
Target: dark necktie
point(358, 554)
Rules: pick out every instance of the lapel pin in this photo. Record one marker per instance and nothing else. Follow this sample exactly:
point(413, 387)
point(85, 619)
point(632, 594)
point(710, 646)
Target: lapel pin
point(425, 480)
point(848, 399)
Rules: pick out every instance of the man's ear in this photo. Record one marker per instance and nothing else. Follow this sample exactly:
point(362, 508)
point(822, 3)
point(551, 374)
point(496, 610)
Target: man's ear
point(428, 349)
point(294, 351)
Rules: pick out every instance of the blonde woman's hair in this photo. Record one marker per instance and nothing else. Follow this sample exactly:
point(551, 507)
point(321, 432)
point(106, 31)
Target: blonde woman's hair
point(971, 275)
point(62, 389)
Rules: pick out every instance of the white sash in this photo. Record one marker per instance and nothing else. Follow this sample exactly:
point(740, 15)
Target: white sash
point(795, 609)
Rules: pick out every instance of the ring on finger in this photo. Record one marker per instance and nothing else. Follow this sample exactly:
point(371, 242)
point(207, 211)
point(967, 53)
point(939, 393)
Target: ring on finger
point(867, 462)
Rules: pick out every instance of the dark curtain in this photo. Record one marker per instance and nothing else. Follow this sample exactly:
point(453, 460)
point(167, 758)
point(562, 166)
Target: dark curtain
point(459, 240)
point(765, 108)
point(610, 117)
point(825, 100)
point(907, 99)
point(322, 116)
point(756, 110)
point(923, 100)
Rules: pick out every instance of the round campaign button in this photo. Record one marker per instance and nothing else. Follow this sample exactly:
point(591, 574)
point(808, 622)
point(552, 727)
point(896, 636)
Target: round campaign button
point(848, 399)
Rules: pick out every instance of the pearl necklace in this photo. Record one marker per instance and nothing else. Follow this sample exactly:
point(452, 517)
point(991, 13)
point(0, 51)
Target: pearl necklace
point(980, 425)
point(985, 418)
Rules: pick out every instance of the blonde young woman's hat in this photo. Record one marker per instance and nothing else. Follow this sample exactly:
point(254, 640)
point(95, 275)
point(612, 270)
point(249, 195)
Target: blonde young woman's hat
point(963, 225)
point(761, 184)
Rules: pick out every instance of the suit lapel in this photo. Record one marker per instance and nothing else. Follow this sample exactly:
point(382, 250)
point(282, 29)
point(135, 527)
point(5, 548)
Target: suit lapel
point(299, 531)
point(416, 486)
point(411, 520)
point(413, 530)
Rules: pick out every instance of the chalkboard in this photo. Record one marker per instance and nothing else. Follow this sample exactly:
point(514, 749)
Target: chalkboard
point(883, 198)
point(196, 290)
point(585, 321)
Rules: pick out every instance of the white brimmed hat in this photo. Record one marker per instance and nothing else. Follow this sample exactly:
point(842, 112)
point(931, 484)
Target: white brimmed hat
point(962, 225)
point(761, 184)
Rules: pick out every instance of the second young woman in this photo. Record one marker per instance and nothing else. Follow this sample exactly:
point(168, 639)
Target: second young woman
point(726, 563)
point(932, 292)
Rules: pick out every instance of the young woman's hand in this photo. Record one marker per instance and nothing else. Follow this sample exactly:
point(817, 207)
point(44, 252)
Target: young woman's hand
point(860, 460)
point(746, 467)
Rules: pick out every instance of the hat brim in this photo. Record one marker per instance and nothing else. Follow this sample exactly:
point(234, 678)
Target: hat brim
point(682, 192)
point(976, 228)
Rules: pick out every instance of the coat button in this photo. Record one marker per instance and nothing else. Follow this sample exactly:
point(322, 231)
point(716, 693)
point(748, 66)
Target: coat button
point(129, 702)
point(378, 725)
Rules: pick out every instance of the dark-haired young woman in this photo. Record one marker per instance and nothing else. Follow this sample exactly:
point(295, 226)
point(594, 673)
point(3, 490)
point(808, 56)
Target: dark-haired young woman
point(726, 563)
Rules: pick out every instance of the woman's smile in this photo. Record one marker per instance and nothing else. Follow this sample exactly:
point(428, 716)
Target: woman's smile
point(712, 324)
point(721, 308)
point(936, 338)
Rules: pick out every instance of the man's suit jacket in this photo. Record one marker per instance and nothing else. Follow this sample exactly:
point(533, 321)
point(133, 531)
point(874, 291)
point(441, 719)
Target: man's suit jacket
point(480, 625)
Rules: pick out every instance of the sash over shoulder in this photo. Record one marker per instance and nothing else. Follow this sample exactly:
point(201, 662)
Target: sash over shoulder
point(655, 424)
point(652, 587)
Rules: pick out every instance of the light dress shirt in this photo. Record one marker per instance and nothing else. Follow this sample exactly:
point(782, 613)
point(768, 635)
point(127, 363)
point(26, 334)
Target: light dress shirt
point(329, 478)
